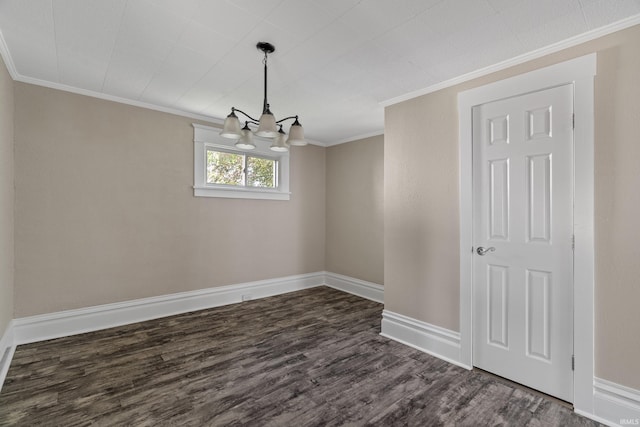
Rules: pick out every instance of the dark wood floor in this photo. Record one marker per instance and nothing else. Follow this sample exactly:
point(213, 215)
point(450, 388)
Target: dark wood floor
point(307, 358)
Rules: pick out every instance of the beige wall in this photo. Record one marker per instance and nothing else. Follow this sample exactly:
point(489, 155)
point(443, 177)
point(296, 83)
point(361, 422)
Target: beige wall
point(6, 198)
point(422, 208)
point(354, 245)
point(105, 210)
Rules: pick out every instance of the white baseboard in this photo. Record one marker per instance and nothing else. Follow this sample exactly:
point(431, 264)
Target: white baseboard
point(615, 404)
point(72, 322)
point(361, 288)
point(434, 340)
point(7, 347)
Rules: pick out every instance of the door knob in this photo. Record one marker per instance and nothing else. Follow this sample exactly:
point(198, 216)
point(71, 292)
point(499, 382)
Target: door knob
point(483, 251)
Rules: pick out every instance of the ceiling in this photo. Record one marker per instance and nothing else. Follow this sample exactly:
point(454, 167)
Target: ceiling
point(335, 60)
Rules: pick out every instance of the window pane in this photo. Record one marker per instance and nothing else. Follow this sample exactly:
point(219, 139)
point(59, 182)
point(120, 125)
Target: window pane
point(261, 172)
point(224, 168)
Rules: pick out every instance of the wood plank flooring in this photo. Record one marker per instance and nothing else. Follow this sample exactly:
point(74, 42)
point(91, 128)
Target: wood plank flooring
point(309, 358)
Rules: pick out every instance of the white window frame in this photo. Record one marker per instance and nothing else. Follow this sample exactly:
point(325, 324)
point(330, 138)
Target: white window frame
point(206, 138)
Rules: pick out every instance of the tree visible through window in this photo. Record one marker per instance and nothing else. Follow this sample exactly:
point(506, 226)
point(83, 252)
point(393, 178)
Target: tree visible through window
point(240, 170)
point(261, 172)
point(224, 168)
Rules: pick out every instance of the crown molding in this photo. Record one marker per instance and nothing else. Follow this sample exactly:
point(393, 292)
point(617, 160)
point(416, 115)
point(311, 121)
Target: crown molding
point(356, 138)
point(573, 41)
point(6, 57)
point(65, 88)
point(118, 99)
point(16, 76)
point(520, 59)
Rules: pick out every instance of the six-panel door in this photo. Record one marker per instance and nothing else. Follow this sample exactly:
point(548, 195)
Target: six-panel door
point(523, 207)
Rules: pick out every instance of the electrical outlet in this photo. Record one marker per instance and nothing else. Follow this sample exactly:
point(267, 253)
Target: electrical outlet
point(246, 297)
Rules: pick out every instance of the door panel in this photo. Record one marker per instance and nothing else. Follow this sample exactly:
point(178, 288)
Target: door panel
point(539, 198)
point(498, 308)
point(537, 304)
point(499, 194)
point(523, 207)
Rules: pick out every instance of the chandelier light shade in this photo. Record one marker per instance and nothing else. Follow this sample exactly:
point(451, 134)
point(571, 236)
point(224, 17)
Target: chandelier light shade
point(296, 134)
point(268, 126)
point(246, 140)
point(279, 143)
point(231, 128)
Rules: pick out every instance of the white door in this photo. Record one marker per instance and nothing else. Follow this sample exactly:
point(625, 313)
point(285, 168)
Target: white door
point(523, 218)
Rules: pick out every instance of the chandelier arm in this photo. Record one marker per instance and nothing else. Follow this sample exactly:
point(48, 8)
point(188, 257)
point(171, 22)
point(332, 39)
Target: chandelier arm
point(242, 112)
point(287, 118)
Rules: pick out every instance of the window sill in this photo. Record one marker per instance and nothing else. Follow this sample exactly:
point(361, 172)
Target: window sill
point(241, 193)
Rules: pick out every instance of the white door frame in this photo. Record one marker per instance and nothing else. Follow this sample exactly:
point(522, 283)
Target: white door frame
point(580, 73)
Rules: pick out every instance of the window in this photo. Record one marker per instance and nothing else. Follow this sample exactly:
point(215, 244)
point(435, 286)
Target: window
point(228, 168)
point(222, 170)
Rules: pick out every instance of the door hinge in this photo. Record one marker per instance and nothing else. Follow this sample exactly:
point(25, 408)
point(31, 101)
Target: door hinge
point(573, 242)
point(573, 362)
point(573, 120)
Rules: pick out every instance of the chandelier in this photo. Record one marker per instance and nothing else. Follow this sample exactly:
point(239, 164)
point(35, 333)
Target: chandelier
point(268, 126)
